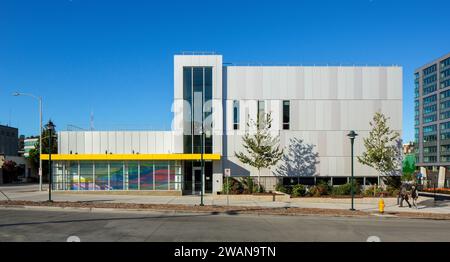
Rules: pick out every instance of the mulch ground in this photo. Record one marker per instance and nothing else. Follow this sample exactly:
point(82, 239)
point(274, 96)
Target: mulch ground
point(234, 210)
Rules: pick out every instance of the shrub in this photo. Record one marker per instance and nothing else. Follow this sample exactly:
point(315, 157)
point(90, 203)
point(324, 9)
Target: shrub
point(232, 187)
point(372, 191)
point(321, 189)
point(314, 191)
point(248, 185)
point(282, 188)
point(395, 192)
point(392, 181)
point(346, 189)
point(392, 191)
point(261, 189)
point(299, 190)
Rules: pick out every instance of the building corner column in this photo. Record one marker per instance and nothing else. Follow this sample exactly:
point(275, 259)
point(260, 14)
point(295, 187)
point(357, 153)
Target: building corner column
point(441, 178)
point(423, 171)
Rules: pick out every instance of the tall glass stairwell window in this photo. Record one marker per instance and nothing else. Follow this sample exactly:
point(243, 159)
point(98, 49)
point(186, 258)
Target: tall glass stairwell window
point(197, 93)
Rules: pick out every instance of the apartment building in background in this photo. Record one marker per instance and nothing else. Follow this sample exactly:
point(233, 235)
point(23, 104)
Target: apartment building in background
point(432, 121)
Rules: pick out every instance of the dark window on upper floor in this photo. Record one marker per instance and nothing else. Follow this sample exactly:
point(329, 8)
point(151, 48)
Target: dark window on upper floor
point(429, 109)
point(429, 138)
point(445, 62)
point(286, 115)
point(430, 129)
point(429, 119)
point(429, 99)
point(429, 79)
point(445, 105)
point(429, 70)
point(429, 89)
point(445, 83)
point(235, 115)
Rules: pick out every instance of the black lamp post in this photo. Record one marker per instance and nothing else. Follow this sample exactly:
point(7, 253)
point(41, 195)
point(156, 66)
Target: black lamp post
point(352, 136)
point(202, 149)
point(203, 169)
point(50, 128)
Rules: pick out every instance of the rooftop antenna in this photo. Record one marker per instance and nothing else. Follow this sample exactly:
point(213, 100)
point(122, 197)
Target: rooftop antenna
point(92, 120)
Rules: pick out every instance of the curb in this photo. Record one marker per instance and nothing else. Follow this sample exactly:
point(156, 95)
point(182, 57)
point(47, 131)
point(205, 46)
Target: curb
point(94, 209)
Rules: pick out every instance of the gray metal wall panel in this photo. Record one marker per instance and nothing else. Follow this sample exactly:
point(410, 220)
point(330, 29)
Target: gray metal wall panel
point(79, 142)
point(135, 142)
point(96, 142)
point(88, 142)
point(159, 142)
point(120, 140)
point(104, 144)
point(112, 148)
point(325, 103)
point(151, 143)
point(143, 142)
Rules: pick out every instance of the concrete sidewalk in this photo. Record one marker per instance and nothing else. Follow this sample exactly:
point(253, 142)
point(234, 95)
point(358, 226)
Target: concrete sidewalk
point(31, 193)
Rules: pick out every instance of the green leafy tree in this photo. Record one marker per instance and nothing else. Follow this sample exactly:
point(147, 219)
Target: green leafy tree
point(383, 152)
point(34, 153)
point(262, 150)
point(408, 167)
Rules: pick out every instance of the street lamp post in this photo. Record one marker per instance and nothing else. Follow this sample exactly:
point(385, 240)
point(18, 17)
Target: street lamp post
point(50, 127)
point(40, 132)
point(203, 170)
point(202, 151)
point(352, 136)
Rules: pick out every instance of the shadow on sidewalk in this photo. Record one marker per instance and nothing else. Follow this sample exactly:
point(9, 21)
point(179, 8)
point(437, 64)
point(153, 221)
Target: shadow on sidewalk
point(105, 219)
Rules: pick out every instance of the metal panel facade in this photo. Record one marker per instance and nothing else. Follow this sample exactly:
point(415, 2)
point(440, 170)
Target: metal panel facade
point(325, 103)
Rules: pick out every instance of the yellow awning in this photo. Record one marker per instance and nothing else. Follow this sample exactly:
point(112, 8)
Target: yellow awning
point(112, 157)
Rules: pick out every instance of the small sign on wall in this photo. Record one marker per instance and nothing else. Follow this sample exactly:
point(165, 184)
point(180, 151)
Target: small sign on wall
point(227, 172)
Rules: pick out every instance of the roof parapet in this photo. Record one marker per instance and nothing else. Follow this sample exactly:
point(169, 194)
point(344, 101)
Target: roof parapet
point(198, 53)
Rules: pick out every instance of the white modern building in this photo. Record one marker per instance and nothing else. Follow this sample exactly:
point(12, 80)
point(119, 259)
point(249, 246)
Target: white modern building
point(317, 104)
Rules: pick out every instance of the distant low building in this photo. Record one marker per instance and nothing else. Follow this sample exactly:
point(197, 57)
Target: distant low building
point(11, 149)
point(9, 140)
point(408, 148)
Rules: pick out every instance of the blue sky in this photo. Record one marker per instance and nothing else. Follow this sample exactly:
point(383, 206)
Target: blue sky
point(114, 58)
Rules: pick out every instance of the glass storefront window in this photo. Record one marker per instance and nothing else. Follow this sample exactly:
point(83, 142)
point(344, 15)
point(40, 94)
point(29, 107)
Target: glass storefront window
point(101, 176)
point(146, 176)
point(116, 175)
point(175, 176)
point(73, 176)
point(86, 176)
point(161, 176)
point(133, 176)
point(58, 176)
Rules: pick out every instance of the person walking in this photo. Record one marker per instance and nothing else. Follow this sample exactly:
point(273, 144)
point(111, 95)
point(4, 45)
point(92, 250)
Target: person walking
point(404, 195)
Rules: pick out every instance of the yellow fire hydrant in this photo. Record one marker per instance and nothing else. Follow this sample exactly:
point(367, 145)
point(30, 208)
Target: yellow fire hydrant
point(381, 206)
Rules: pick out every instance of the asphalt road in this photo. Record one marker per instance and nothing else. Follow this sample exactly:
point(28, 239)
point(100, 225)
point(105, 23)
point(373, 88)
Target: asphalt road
point(32, 225)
